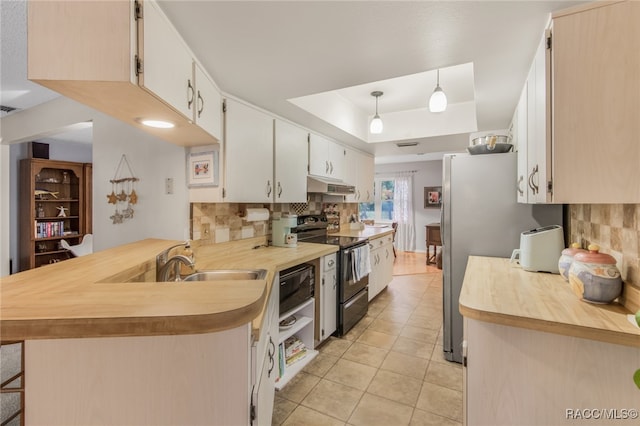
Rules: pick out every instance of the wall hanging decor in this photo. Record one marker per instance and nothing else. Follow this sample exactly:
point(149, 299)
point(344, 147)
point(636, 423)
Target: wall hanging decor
point(202, 168)
point(123, 192)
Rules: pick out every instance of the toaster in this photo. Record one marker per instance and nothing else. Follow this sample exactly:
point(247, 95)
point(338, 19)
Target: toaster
point(540, 249)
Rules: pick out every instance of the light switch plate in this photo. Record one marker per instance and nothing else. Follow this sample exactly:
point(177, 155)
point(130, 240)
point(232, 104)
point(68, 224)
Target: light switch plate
point(168, 186)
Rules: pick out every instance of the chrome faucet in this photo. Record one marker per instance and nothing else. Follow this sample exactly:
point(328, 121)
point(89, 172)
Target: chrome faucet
point(164, 263)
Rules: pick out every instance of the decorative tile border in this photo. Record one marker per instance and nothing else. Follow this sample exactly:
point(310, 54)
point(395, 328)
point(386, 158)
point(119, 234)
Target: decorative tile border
point(615, 228)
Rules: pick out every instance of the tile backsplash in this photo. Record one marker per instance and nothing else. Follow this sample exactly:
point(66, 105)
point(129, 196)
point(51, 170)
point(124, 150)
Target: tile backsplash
point(615, 228)
point(213, 223)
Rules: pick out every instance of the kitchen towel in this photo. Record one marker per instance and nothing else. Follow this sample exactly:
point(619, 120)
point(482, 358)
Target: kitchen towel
point(360, 262)
point(253, 215)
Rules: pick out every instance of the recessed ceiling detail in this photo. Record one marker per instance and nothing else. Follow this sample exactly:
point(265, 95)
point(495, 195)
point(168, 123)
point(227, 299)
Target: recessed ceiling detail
point(404, 107)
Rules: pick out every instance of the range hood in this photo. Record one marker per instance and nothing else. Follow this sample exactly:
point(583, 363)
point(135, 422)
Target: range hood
point(327, 186)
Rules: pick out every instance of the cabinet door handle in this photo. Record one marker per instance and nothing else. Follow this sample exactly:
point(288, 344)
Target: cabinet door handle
point(190, 94)
point(533, 190)
point(387, 251)
point(271, 354)
point(520, 191)
point(268, 188)
point(331, 167)
point(331, 262)
point(326, 167)
point(334, 282)
point(279, 190)
point(535, 187)
point(201, 102)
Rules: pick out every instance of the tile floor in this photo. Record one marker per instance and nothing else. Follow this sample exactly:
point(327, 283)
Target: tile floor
point(389, 369)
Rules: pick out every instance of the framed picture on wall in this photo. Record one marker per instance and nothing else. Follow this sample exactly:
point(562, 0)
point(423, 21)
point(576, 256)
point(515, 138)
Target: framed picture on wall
point(202, 168)
point(432, 196)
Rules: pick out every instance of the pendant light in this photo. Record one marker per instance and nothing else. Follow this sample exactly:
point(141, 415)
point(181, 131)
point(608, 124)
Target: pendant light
point(438, 100)
point(375, 127)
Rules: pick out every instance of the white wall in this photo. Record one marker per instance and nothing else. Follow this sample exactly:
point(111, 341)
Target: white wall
point(428, 173)
point(156, 215)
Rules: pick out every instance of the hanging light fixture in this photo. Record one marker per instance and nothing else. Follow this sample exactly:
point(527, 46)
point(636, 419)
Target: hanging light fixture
point(438, 100)
point(375, 127)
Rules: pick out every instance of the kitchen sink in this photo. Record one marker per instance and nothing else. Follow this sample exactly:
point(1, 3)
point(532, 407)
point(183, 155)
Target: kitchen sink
point(227, 274)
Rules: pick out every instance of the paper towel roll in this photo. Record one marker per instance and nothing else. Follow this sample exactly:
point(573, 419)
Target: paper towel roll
point(252, 215)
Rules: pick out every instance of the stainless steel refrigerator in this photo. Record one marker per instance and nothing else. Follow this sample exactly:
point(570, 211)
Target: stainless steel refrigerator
point(480, 216)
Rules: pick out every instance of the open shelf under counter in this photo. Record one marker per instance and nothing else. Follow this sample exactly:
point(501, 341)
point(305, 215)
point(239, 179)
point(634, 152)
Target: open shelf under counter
point(295, 368)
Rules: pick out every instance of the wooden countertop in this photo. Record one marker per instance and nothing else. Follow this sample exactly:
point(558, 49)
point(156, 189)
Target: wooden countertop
point(371, 232)
point(89, 296)
point(497, 291)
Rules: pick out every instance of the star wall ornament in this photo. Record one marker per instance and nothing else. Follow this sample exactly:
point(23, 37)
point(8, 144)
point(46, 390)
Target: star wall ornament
point(128, 213)
point(133, 197)
point(116, 217)
point(122, 196)
point(112, 198)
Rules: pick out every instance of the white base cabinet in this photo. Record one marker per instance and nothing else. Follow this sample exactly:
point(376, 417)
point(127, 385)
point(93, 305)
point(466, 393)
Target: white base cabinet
point(382, 258)
point(328, 298)
point(520, 376)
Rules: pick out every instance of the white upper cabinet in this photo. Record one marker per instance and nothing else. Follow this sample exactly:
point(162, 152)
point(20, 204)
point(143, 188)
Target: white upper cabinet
point(167, 65)
point(208, 104)
point(248, 150)
point(519, 135)
point(291, 156)
point(170, 72)
point(326, 158)
point(359, 171)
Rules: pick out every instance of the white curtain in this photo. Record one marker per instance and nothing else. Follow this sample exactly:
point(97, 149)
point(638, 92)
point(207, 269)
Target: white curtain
point(403, 213)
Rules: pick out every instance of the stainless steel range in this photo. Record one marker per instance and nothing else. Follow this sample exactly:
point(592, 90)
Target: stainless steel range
point(353, 292)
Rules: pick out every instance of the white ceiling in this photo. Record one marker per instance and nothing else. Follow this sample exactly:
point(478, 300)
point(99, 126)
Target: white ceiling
point(267, 52)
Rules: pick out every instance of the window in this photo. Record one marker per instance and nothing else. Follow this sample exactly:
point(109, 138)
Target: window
point(382, 207)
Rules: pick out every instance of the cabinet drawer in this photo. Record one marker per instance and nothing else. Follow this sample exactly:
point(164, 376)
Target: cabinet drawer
point(329, 262)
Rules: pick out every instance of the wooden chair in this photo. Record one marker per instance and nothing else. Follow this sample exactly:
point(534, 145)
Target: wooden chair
point(394, 225)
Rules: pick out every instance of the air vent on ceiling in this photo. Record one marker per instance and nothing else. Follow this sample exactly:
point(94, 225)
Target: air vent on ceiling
point(4, 110)
point(405, 144)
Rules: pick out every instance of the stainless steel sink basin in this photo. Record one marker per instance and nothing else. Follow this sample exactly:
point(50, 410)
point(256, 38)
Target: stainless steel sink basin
point(227, 274)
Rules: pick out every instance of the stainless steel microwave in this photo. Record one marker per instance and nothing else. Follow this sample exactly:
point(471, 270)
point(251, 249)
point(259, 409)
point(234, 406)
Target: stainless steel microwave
point(297, 285)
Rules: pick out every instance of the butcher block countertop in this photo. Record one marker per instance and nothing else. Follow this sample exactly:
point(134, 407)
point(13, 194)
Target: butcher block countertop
point(371, 232)
point(112, 293)
point(497, 291)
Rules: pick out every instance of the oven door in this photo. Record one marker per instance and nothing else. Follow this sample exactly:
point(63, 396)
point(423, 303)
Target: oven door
point(348, 285)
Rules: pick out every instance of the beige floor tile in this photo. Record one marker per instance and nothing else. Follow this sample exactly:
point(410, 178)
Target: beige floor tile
point(320, 364)
point(308, 417)
point(374, 410)
point(358, 329)
point(281, 410)
point(419, 333)
point(385, 326)
point(447, 375)
point(406, 365)
point(351, 373)
point(423, 418)
point(377, 339)
point(298, 387)
point(374, 309)
point(335, 346)
point(413, 347)
point(440, 400)
point(394, 315)
point(438, 355)
point(335, 398)
point(365, 354)
point(396, 387)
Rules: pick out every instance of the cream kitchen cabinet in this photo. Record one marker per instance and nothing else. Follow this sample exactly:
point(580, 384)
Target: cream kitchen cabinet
point(291, 162)
point(101, 68)
point(248, 148)
point(519, 139)
point(169, 71)
point(582, 109)
point(328, 298)
point(264, 362)
point(360, 173)
point(596, 103)
point(326, 158)
point(381, 257)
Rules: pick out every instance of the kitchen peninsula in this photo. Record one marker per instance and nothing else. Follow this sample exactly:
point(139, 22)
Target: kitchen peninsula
point(105, 344)
point(536, 354)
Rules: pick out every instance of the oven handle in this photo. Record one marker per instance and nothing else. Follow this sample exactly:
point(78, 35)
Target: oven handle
point(363, 293)
point(352, 248)
point(294, 272)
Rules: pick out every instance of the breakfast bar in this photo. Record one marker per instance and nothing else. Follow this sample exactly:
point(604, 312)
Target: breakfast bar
point(535, 353)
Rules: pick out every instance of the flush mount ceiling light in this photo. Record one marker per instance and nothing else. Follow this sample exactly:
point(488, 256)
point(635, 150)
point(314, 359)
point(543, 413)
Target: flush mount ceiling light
point(375, 127)
point(438, 100)
point(158, 124)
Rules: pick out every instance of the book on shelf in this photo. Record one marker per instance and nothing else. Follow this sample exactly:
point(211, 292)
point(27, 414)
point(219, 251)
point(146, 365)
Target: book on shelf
point(294, 350)
point(297, 356)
